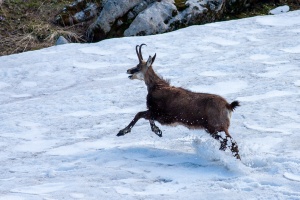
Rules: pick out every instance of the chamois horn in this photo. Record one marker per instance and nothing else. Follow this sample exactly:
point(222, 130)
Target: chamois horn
point(139, 52)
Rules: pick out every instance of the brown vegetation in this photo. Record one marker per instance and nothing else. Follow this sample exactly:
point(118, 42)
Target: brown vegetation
point(29, 24)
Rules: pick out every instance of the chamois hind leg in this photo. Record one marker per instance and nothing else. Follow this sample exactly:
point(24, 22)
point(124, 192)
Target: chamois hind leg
point(139, 115)
point(234, 147)
point(219, 137)
point(154, 128)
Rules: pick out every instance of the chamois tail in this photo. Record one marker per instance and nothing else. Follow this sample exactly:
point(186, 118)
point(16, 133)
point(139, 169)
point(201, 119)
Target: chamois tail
point(233, 105)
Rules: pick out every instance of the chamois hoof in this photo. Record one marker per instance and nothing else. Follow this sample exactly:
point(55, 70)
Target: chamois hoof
point(237, 156)
point(120, 134)
point(123, 132)
point(235, 150)
point(159, 134)
point(156, 130)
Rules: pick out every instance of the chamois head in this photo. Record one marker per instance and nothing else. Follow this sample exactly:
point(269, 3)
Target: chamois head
point(140, 70)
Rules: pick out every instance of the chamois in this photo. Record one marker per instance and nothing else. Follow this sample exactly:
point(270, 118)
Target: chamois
point(171, 105)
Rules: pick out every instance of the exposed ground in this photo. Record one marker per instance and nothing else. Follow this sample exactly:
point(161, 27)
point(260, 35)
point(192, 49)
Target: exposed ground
point(28, 24)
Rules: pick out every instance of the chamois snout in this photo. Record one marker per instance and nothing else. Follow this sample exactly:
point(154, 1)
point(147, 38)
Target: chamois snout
point(129, 72)
point(134, 73)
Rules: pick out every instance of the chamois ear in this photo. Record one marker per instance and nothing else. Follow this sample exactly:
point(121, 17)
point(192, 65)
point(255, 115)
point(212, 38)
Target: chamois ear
point(153, 59)
point(149, 61)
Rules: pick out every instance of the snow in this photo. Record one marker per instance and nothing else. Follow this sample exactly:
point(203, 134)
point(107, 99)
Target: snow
point(222, 87)
point(61, 108)
point(295, 49)
point(279, 10)
point(291, 177)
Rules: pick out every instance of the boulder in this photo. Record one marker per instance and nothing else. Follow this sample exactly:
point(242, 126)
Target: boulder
point(113, 12)
point(61, 40)
point(155, 19)
point(164, 16)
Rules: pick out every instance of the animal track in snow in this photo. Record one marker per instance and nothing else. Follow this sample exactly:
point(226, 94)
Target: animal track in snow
point(213, 73)
point(40, 189)
point(91, 65)
point(259, 57)
point(291, 176)
point(3, 85)
point(295, 49)
point(268, 95)
point(274, 21)
point(220, 41)
point(222, 88)
point(96, 50)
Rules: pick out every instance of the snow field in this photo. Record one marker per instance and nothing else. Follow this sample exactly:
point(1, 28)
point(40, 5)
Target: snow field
point(61, 108)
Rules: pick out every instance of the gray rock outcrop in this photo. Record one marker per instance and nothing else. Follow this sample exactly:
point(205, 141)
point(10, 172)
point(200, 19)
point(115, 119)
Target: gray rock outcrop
point(155, 19)
point(117, 18)
point(146, 17)
point(113, 16)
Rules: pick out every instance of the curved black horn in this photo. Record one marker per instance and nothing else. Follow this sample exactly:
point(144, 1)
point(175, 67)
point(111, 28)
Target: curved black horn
point(140, 51)
point(137, 53)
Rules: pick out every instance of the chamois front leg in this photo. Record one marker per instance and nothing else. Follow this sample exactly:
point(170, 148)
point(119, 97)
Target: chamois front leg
point(127, 129)
point(154, 128)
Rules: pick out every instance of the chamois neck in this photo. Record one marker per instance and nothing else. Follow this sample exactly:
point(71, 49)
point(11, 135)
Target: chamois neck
point(153, 81)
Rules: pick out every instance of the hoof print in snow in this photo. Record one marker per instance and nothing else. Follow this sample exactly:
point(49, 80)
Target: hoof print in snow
point(163, 180)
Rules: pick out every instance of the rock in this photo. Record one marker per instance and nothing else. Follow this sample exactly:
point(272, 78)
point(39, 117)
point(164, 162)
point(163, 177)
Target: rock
point(145, 17)
point(61, 40)
point(111, 12)
point(168, 17)
point(78, 11)
point(279, 10)
point(147, 23)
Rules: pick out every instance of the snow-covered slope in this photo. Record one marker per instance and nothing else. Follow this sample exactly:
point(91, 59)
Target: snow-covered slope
point(61, 109)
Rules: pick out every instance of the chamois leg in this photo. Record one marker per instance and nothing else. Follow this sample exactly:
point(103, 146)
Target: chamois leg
point(233, 148)
point(154, 128)
point(139, 115)
point(222, 140)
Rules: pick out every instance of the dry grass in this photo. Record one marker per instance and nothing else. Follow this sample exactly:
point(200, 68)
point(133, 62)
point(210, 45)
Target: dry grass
point(28, 25)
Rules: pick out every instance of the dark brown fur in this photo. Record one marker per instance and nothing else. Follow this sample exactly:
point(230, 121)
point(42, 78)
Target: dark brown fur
point(171, 105)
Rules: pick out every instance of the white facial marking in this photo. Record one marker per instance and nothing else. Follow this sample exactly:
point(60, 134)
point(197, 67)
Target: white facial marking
point(140, 76)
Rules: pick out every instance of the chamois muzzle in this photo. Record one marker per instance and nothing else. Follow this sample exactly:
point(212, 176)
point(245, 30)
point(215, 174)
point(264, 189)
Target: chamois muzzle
point(128, 72)
point(132, 71)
